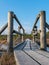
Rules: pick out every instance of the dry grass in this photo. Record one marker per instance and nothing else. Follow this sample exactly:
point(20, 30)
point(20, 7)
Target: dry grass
point(7, 59)
point(47, 42)
point(3, 41)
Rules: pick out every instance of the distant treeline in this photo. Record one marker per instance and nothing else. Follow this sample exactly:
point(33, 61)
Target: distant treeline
point(4, 37)
point(47, 35)
point(30, 36)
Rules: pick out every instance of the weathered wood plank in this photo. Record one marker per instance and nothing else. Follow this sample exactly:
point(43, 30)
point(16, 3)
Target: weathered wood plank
point(32, 56)
point(24, 59)
point(40, 58)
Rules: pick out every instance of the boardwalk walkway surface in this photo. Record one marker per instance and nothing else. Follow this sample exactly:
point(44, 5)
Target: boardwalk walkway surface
point(29, 54)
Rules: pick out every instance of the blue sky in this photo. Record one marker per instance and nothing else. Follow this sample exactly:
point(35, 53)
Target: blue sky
point(25, 10)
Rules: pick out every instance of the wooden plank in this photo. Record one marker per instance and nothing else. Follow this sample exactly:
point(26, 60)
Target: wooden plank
point(24, 59)
point(40, 58)
point(44, 53)
point(32, 57)
point(27, 47)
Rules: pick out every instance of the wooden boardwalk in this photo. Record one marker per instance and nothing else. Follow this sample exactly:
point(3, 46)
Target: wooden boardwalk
point(28, 53)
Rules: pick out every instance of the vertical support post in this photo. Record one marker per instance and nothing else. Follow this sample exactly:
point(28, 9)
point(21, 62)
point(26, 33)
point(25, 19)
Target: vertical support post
point(34, 31)
point(19, 32)
point(18, 28)
point(33, 38)
point(10, 31)
point(43, 30)
point(23, 36)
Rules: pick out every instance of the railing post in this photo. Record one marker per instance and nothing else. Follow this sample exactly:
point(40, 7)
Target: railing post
point(43, 30)
point(33, 38)
point(19, 32)
point(23, 36)
point(34, 35)
point(18, 28)
point(10, 31)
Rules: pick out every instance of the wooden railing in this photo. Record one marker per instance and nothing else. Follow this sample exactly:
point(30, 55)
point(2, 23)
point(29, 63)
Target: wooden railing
point(11, 17)
point(42, 31)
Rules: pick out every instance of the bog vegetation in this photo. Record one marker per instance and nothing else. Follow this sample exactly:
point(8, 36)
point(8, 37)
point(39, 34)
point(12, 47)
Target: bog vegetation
point(4, 37)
